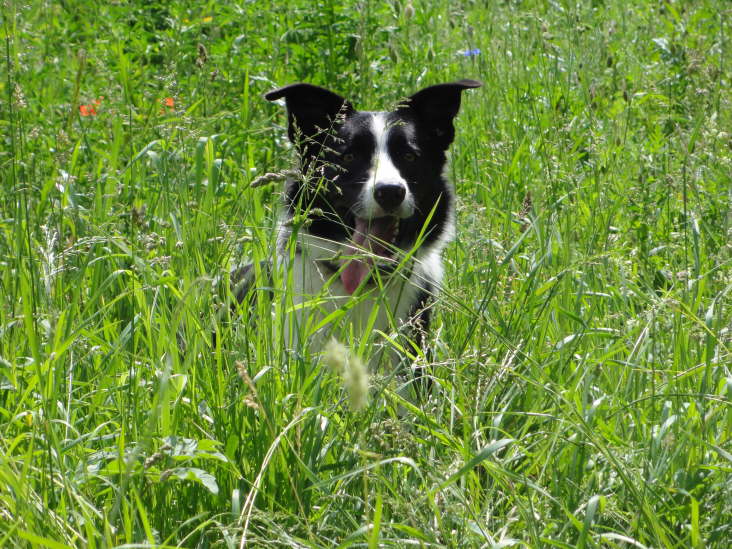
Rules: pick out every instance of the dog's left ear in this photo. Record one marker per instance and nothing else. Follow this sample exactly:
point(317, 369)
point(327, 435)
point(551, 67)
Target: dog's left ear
point(311, 111)
point(437, 106)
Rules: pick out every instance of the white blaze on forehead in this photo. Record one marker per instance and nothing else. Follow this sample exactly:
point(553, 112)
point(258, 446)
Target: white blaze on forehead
point(383, 170)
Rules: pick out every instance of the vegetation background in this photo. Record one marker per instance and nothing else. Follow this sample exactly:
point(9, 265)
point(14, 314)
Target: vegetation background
point(582, 353)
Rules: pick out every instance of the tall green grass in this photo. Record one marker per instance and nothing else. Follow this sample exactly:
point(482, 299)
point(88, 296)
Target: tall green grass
point(582, 342)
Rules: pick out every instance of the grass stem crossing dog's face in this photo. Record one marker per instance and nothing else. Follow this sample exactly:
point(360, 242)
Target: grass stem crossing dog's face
point(370, 212)
point(372, 181)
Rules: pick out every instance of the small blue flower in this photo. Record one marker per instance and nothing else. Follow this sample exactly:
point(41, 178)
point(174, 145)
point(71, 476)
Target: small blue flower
point(469, 53)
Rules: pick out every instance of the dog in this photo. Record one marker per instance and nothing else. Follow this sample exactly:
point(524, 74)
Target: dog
point(367, 217)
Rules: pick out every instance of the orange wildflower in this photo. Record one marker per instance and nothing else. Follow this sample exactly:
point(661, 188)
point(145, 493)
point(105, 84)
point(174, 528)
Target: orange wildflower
point(91, 108)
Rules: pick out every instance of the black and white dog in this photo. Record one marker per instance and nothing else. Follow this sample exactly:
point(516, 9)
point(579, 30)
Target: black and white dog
point(370, 213)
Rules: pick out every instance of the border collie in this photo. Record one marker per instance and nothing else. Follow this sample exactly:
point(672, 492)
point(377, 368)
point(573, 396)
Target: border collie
point(367, 218)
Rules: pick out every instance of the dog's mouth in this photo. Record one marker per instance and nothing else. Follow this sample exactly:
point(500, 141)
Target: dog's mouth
point(372, 240)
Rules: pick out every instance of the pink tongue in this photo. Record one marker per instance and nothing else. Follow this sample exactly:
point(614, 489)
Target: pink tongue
point(353, 274)
point(357, 268)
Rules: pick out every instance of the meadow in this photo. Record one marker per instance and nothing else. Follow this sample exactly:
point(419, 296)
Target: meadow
point(582, 392)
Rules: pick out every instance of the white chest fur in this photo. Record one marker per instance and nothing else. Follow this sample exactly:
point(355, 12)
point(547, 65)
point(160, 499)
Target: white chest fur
point(319, 307)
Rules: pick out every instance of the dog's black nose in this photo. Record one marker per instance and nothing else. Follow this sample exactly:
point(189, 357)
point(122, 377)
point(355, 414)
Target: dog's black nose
point(389, 195)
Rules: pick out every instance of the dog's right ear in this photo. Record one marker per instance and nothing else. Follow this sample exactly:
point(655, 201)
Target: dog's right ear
point(437, 106)
point(311, 110)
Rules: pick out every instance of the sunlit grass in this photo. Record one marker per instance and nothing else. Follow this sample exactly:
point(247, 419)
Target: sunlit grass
point(582, 343)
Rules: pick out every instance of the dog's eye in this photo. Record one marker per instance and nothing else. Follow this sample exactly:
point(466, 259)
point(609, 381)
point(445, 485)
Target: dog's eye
point(410, 157)
point(348, 158)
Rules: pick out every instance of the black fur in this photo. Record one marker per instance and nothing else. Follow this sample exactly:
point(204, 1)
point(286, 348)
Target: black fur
point(380, 171)
point(337, 145)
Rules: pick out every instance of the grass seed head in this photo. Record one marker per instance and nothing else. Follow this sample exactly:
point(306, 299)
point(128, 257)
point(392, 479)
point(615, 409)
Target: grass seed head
point(352, 370)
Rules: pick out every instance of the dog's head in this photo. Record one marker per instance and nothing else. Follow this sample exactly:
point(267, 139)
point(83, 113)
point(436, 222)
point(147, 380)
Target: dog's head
point(372, 180)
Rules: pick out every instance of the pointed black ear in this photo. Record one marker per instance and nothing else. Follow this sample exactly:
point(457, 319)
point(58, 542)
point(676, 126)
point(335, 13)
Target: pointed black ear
point(311, 110)
point(436, 106)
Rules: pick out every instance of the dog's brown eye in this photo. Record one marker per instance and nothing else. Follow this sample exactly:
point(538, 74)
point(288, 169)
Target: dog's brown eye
point(410, 157)
point(348, 158)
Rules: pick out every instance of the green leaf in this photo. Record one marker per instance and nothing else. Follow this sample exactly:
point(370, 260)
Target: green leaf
point(481, 456)
point(196, 475)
